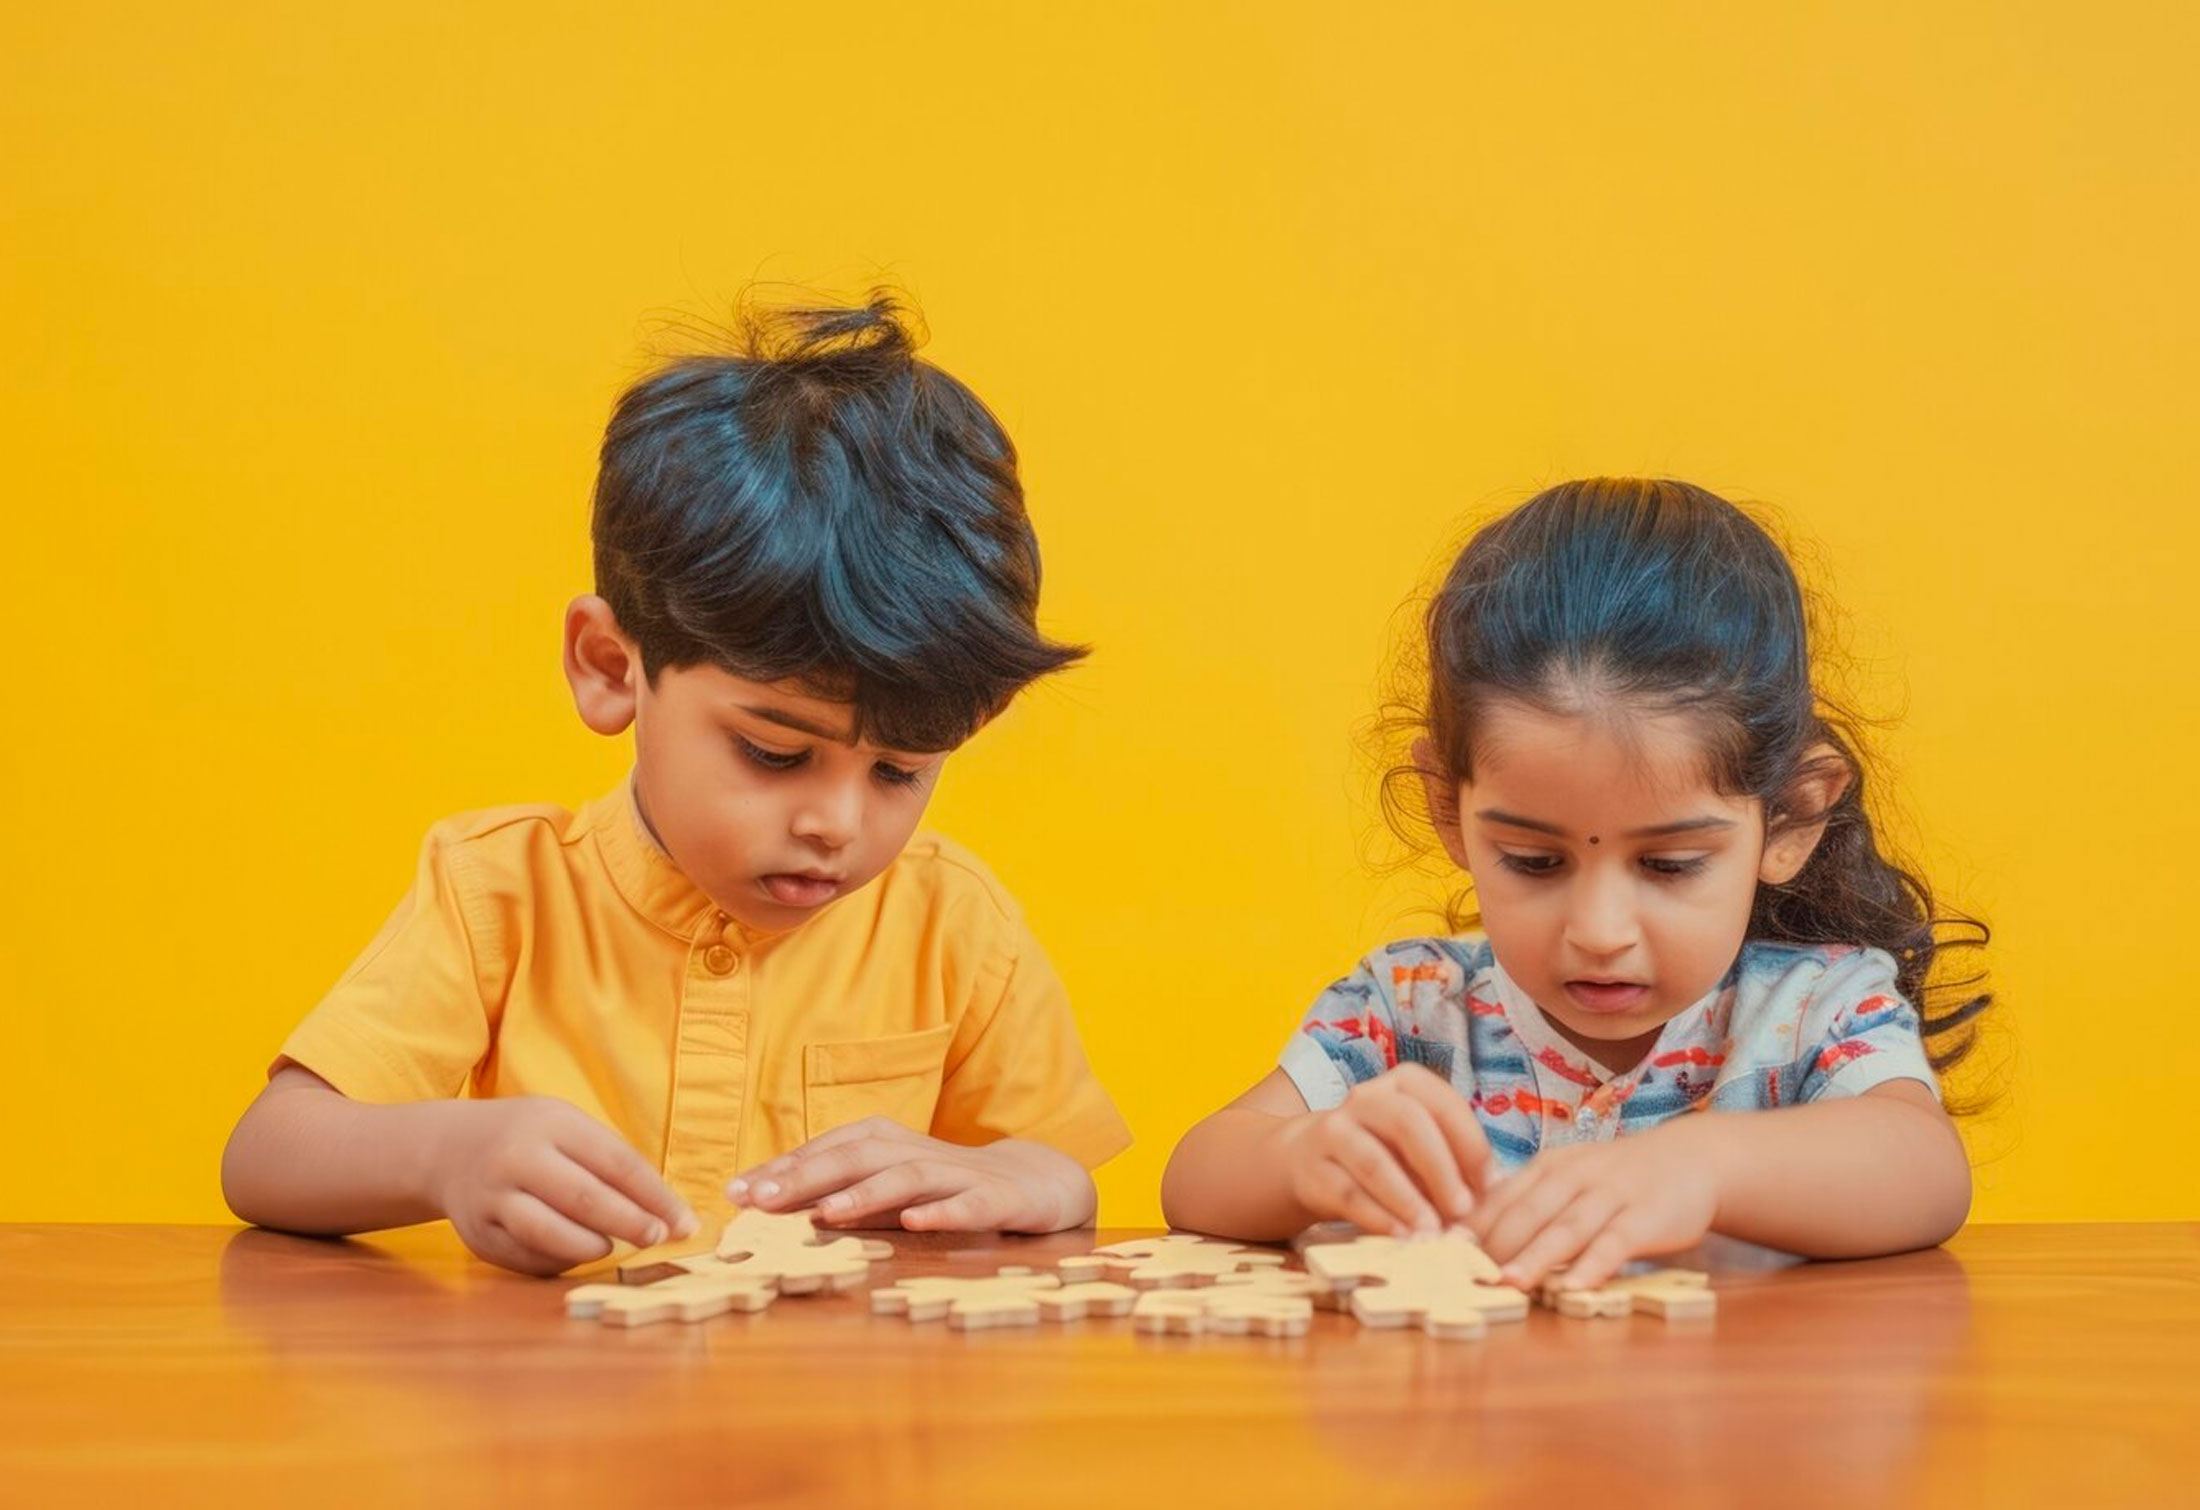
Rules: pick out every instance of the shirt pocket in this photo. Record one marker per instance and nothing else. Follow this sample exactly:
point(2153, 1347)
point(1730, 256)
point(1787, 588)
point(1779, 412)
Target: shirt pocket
point(897, 1078)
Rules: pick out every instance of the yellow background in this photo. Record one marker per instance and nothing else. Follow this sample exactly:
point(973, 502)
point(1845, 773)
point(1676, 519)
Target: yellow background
point(313, 317)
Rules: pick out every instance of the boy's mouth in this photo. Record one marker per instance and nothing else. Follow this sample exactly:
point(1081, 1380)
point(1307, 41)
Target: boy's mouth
point(801, 888)
point(1607, 995)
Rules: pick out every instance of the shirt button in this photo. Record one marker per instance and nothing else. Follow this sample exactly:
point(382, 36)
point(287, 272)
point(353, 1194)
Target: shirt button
point(720, 959)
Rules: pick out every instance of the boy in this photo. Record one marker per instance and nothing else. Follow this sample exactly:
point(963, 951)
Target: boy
point(815, 579)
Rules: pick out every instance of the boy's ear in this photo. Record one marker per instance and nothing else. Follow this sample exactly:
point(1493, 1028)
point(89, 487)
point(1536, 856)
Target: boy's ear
point(1443, 801)
point(602, 665)
point(1793, 831)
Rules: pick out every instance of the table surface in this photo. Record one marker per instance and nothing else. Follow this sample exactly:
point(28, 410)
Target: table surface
point(185, 1365)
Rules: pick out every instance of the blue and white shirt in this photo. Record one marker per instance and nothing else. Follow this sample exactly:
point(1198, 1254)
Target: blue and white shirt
point(1790, 1023)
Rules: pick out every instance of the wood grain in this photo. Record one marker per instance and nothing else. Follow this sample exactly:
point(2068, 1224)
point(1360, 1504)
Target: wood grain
point(203, 1365)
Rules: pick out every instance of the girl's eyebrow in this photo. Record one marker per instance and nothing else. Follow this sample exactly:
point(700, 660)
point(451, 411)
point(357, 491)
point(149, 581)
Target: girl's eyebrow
point(1655, 831)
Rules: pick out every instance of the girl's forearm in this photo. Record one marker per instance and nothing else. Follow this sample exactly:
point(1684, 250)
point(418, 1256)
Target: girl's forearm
point(1847, 1178)
point(1229, 1177)
point(306, 1158)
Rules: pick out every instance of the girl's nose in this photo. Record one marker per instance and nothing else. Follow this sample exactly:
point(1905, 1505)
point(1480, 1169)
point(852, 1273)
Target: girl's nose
point(1601, 917)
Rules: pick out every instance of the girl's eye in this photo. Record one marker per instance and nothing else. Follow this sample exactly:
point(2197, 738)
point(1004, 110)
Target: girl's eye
point(1529, 865)
point(1670, 869)
point(894, 775)
point(771, 760)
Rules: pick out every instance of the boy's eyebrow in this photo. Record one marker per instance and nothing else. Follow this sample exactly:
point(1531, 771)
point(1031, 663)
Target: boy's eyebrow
point(1655, 831)
point(797, 723)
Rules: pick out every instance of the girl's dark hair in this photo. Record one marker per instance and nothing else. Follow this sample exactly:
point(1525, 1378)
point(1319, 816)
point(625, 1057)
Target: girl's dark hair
point(1661, 596)
point(820, 505)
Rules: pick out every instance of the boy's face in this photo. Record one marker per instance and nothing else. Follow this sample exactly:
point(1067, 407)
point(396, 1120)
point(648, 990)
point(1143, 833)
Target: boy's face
point(761, 798)
point(754, 789)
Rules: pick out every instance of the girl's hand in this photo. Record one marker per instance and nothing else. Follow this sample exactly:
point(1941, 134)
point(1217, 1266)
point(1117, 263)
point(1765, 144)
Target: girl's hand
point(535, 1184)
point(1402, 1154)
point(1593, 1206)
point(877, 1173)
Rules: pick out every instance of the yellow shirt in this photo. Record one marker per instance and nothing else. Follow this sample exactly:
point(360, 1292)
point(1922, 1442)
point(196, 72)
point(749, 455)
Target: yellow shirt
point(548, 953)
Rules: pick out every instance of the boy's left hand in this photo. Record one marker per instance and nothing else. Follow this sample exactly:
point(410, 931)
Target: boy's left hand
point(877, 1173)
point(1593, 1206)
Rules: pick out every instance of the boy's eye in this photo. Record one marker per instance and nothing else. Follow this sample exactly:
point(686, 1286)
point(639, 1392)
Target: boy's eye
point(1529, 865)
point(771, 760)
point(1668, 867)
point(894, 775)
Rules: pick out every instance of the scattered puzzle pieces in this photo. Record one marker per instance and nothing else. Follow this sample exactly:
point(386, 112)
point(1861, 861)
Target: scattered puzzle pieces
point(785, 1250)
point(1443, 1282)
point(689, 1297)
point(1012, 1297)
point(1177, 1259)
point(1675, 1294)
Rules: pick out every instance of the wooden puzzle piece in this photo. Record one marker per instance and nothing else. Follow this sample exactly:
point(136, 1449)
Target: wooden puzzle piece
point(970, 1304)
point(784, 1249)
point(1235, 1309)
point(1440, 1282)
point(1179, 1258)
point(1675, 1294)
point(689, 1297)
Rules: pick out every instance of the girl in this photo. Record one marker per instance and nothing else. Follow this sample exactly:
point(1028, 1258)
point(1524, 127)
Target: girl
point(1683, 909)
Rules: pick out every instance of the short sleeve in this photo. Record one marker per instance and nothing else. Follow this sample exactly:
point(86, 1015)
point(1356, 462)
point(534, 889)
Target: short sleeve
point(408, 1021)
point(1349, 1035)
point(1860, 1030)
point(1017, 1068)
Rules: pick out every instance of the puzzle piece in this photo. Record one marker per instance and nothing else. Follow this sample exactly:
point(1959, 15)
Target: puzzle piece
point(1177, 1259)
point(1440, 1282)
point(785, 1250)
point(689, 1297)
point(1675, 1294)
point(1273, 1302)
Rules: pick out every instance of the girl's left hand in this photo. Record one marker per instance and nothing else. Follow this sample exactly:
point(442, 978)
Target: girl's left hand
point(877, 1173)
point(1593, 1206)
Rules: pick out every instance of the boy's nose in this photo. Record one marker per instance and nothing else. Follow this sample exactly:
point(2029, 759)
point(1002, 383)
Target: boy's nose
point(831, 816)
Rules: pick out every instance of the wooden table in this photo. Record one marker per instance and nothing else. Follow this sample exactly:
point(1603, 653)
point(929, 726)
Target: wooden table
point(202, 1365)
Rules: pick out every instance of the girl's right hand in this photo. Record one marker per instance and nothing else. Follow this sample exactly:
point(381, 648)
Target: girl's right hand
point(1402, 1154)
point(535, 1184)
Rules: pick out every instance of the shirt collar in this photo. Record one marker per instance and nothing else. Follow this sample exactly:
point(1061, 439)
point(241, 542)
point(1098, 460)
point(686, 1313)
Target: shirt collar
point(1693, 1023)
point(645, 875)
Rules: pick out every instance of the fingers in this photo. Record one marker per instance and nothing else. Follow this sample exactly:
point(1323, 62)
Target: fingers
point(1409, 1127)
point(1375, 1171)
point(889, 1190)
point(1519, 1207)
point(1461, 1129)
point(978, 1208)
point(525, 1234)
point(765, 1184)
point(1607, 1253)
point(809, 1176)
point(1585, 1219)
point(607, 1187)
point(1340, 1194)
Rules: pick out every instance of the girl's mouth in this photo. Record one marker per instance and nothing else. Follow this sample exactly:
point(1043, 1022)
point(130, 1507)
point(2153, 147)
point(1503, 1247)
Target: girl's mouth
point(1607, 995)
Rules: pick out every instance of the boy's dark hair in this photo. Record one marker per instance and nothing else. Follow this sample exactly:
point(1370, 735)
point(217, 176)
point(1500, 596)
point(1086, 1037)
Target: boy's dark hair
point(1661, 595)
point(819, 505)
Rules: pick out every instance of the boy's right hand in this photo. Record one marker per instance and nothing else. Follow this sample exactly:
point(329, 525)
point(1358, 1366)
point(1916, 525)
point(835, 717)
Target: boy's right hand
point(537, 1185)
point(1402, 1154)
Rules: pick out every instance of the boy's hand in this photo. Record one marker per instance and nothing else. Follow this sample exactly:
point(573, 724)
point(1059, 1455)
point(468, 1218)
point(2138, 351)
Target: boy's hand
point(1594, 1206)
point(536, 1184)
point(877, 1173)
point(1402, 1154)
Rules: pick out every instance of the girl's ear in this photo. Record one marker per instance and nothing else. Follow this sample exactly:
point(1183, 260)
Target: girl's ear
point(1443, 801)
point(1792, 832)
point(603, 667)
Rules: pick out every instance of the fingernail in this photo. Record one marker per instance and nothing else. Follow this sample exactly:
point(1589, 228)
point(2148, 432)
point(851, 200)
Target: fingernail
point(657, 1234)
point(738, 1191)
point(688, 1224)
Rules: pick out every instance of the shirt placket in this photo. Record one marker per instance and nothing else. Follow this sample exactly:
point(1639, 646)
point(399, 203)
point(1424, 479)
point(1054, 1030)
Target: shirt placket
point(710, 1065)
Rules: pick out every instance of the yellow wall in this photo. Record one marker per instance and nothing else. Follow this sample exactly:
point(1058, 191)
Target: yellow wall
point(312, 318)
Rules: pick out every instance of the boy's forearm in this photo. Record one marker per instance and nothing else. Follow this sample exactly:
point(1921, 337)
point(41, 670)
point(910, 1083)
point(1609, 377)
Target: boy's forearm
point(1853, 1177)
point(1229, 1177)
point(309, 1159)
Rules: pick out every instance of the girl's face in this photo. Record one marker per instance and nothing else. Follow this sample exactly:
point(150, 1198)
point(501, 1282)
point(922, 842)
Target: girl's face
point(1615, 881)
